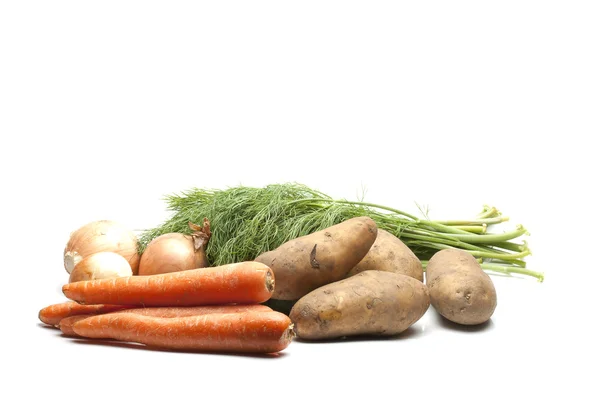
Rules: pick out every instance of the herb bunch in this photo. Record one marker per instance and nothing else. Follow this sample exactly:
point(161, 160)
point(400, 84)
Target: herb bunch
point(248, 221)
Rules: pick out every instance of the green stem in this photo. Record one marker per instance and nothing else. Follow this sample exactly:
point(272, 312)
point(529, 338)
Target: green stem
point(427, 236)
point(505, 269)
point(361, 203)
point(518, 247)
point(507, 257)
point(488, 212)
point(481, 229)
point(432, 224)
point(414, 234)
point(514, 258)
point(491, 238)
point(479, 221)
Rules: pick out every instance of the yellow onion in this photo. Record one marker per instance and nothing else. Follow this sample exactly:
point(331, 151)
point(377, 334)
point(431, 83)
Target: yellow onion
point(174, 252)
point(103, 265)
point(99, 236)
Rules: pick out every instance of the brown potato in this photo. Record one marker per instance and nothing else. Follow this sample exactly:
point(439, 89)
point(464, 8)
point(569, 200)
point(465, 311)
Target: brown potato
point(376, 303)
point(459, 289)
point(388, 253)
point(308, 262)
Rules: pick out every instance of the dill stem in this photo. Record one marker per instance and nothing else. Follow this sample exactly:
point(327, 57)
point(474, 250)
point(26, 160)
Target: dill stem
point(472, 228)
point(359, 203)
point(491, 238)
point(432, 224)
point(479, 221)
point(504, 269)
point(410, 233)
point(488, 212)
point(514, 258)
point(518, 247)
point(507, 269)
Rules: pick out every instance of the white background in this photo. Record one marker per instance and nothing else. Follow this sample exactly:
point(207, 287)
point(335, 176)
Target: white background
point(107, 106)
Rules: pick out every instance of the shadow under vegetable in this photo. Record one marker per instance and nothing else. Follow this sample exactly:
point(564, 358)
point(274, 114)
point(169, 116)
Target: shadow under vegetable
point(446, 323)
point(411, 333)
point(138, 346)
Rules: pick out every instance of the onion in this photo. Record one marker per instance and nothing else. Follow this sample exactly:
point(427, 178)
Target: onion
point(100, 236)
point(101, 265)
point(173, 252)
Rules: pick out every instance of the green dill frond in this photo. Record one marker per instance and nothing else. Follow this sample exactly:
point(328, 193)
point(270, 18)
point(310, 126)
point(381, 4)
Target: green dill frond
point(248, 221)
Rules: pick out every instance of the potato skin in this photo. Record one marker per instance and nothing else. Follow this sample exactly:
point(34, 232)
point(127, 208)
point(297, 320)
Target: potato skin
point(459, 289)
point(389, 253)
point(374, 303)
point(308, 262)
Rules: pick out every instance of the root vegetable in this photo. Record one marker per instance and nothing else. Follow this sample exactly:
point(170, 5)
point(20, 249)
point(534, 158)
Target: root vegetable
point(375, 303)
point(246, 282)
point(247, 332)
point(53, 314)
point(66, 324)
point(172, 312)
point(389, 253)
point(101, 265)
point(99, 236)
point(460, 291)
point(308, 262)
point(174, 252)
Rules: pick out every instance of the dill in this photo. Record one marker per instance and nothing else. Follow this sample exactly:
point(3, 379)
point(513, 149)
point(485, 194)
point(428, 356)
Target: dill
point(248, 221)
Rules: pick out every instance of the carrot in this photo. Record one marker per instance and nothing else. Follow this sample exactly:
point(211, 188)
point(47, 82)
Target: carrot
point(66, 324)
point(245, 332)
point(53, 314)
point(173, 312)
point(245, 282)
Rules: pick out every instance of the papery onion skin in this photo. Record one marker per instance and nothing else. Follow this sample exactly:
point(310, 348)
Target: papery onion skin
point(102, 236)
point(171, 252)
point(103, 265)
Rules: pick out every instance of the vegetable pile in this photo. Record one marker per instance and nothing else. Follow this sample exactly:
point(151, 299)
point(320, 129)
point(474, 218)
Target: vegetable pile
point(207, 309)
point(271, 264)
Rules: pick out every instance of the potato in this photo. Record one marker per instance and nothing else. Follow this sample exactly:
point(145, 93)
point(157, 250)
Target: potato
point(375, 303)
point(459, 289)
point(308, 262)
point(388, 253)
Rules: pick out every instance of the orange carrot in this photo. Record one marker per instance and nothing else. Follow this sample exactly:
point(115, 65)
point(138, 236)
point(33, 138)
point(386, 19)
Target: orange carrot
point(174, 312)
point(52, 315)
point(245, 282)
point(245, 332)
point(66, 324)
